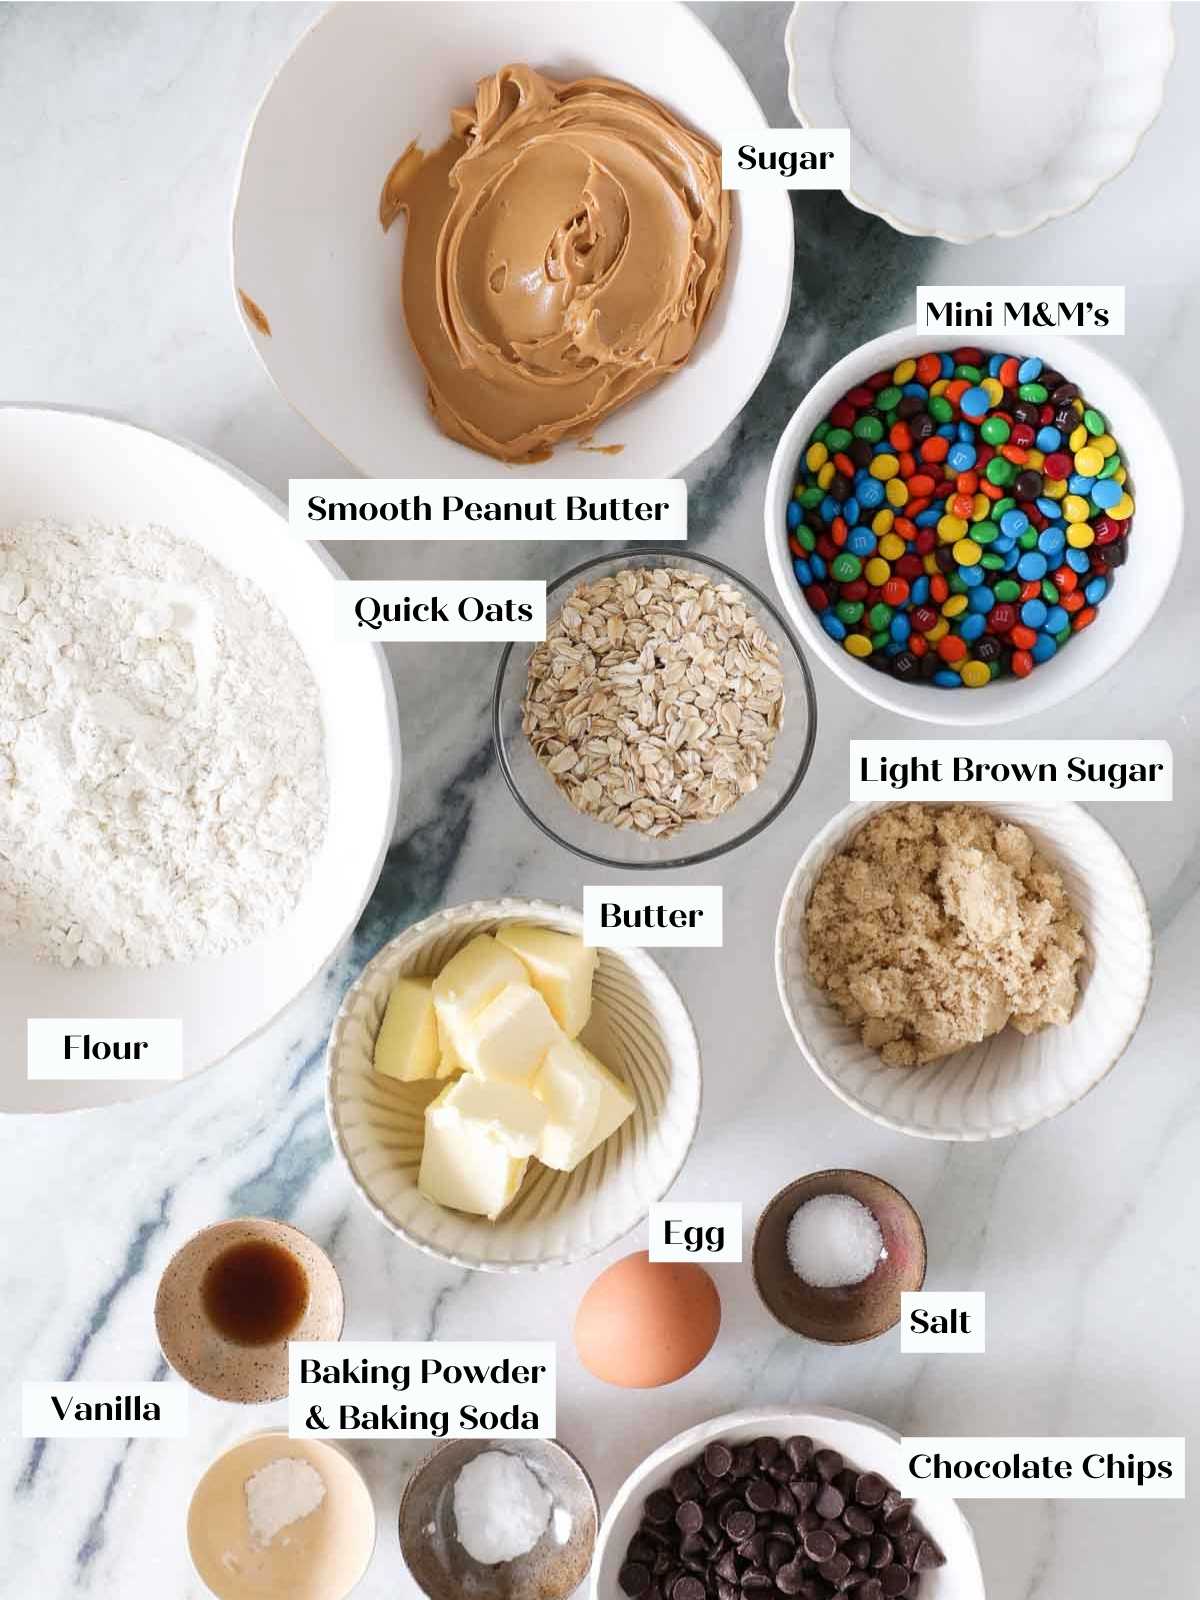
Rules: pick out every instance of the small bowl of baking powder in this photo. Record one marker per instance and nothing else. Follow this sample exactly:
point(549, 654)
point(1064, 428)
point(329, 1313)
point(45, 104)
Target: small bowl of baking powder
point(275, 1518)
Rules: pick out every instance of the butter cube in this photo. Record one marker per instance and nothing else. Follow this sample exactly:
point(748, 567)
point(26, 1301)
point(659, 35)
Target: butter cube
point(568, 1086)
point(468, 981)
point(449, 1060)
point(560, 967)
point(616, 1102)
point(510, 1036)
point(407, 1045)
point(463, 1167)
point(507, 1112)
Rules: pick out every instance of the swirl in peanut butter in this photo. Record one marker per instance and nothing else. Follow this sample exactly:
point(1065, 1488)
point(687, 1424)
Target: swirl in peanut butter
point(564, 248)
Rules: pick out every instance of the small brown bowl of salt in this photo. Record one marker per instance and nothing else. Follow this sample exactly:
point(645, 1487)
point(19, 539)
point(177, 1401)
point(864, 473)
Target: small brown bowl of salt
point(834, 1251)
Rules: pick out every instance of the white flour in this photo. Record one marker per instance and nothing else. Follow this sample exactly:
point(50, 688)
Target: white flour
point(162, 780)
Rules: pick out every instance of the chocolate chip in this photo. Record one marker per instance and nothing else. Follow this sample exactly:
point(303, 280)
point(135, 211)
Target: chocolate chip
point(759, 1582)
point(685, 1485)
point(760, 1495)
point(690, 1517)
point(790, 1579)
point(835, 1569)
point(869, 1489)
point(688, 1588)
point(819, 1545)
point(778, 1554)
point(634, 1578)
point(718, 1458)
point(660, 1506)
point(906, 1547)
point(828, 1464)
point(739, 1524)
point(859, 1551)
point(928, 1557)
point(786, 1503)
point(753, 1549)
point(830, 1502)
point(858, 1520)
point(881, 1550)
point(872, 1589)
point(803, 1491)
point(799, 1449)
point(897, 1518)
point(894, 1581)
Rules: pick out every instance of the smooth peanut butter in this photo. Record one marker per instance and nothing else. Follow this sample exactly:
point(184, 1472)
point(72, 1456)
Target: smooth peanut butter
point(564, 248)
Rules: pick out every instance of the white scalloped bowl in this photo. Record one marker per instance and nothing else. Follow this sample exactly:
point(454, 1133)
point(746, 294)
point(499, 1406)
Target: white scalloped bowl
point(639, 1027)
point(1008, 1083)
point(982, 55)
point(867, 1444)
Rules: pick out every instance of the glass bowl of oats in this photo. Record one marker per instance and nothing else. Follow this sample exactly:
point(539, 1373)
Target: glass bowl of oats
point(667, 717)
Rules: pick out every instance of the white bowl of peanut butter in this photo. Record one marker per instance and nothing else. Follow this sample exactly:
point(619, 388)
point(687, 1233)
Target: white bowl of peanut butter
point(467, 235)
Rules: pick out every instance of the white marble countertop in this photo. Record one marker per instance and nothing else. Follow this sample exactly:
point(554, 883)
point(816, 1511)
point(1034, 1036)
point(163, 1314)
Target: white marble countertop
point(120, 127)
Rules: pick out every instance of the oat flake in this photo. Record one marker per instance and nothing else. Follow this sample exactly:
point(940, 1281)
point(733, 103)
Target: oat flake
point(655, 699)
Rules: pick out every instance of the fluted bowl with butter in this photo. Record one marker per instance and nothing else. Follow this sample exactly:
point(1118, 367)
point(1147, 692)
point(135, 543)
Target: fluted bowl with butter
point(505, 1098)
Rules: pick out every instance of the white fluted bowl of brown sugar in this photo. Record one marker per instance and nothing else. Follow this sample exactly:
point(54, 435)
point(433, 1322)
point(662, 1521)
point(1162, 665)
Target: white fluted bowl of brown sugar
point(1011, 1081)
point(640, 1029)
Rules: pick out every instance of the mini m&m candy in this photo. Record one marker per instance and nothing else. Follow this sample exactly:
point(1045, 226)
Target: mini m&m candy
point(960, 517)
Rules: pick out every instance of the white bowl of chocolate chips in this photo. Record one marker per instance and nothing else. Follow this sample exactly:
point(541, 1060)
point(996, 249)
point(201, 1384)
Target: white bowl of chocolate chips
point(775, 1502)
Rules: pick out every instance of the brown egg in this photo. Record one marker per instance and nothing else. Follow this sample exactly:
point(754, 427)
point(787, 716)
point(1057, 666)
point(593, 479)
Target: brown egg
point(644, 1323)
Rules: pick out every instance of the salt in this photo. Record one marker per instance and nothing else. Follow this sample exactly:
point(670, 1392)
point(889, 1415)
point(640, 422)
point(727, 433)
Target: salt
point(501, 1508)
point(833, 1241)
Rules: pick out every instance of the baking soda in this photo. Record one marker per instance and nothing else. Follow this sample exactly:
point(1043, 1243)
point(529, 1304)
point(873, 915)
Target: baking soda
point(501, 1508)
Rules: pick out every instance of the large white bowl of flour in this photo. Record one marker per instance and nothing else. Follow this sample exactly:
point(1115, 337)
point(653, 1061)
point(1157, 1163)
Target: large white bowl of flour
point(166, 593)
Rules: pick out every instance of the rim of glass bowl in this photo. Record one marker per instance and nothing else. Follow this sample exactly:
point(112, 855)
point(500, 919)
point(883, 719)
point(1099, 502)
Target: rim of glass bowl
point(786, 635)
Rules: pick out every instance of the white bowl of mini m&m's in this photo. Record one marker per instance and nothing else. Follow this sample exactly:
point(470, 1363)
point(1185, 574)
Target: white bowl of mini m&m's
point(966, 534)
